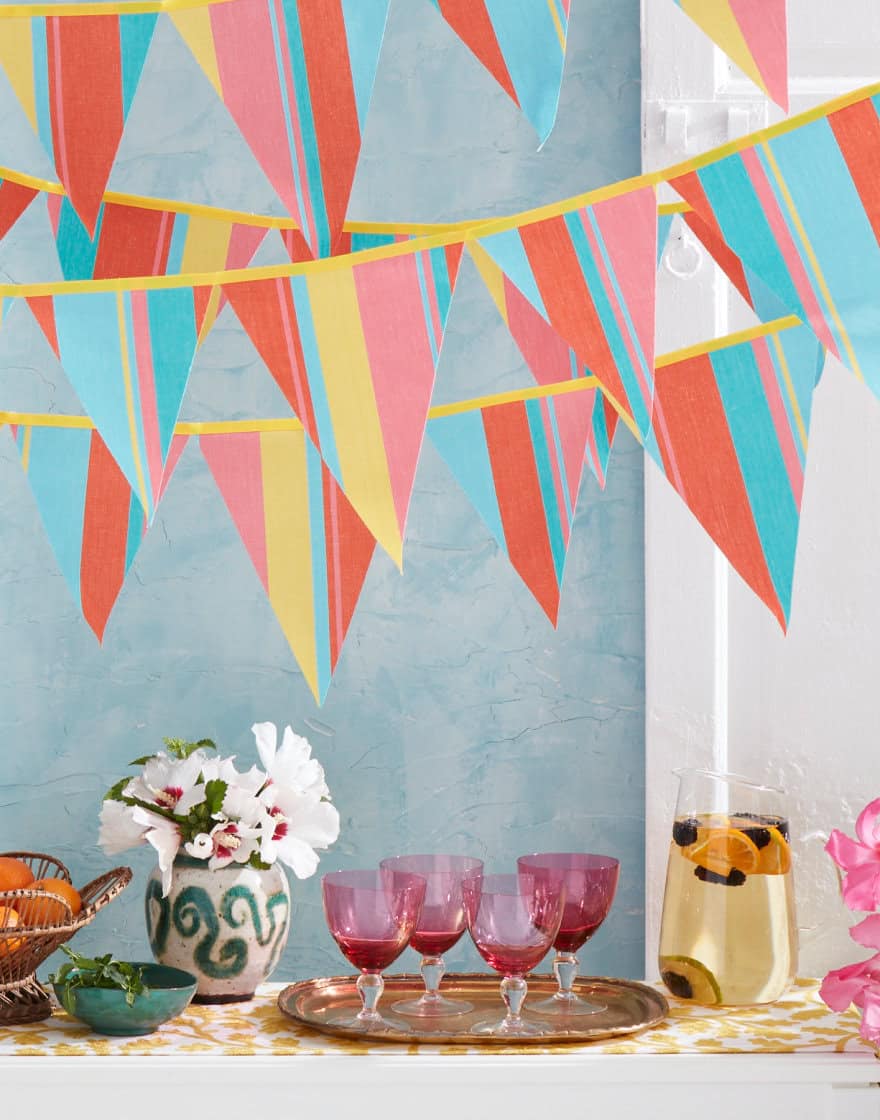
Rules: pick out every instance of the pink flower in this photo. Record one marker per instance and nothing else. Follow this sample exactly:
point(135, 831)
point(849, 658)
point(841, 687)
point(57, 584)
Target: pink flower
point(860, 859)
point(859, 983)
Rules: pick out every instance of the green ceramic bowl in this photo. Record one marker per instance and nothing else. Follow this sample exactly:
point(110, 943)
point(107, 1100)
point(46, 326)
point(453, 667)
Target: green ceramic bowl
point(106, 1012)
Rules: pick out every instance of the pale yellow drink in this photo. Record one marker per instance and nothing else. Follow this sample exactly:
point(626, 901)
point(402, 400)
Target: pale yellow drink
point(728, 932)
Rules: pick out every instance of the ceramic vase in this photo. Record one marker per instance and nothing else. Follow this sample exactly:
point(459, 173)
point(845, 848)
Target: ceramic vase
point(227, 927)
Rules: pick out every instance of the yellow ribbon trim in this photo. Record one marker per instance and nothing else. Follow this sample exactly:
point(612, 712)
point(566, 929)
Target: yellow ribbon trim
point(111, 8)
point(555, 389)
point(435, 236)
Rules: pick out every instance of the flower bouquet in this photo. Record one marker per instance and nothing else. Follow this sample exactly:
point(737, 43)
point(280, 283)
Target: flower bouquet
point(859, 860)
point(218, 905)
point(187, 800)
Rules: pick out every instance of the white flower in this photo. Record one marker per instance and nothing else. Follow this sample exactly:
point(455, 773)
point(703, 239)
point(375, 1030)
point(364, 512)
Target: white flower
point(241, 805)
point(232, 843)
point(293, 826)
point(119, 830)
point(164, 836)
point(290, 765)
point(201, 847)
point(168, 782)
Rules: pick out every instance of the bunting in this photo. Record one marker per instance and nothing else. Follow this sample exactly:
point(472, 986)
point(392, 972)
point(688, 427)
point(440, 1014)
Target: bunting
point(128, 356)
point(307, 544)
point(591, 272)
point(801, 208)
point(753, 34)
point(14, 200)
point(76, 78)
point(354, 347)
point(522, 45)
point(299, 92)
point(93, 521)
point(521, 464)
point(730, 433)
point(549, 359)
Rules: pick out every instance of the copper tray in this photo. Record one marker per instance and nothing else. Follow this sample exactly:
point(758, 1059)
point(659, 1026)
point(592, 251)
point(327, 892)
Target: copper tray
point(630, 1007)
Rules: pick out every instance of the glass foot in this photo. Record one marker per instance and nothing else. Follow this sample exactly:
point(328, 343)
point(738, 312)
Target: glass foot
point(506, 1029)
point(565, 1007)
point(380, 1025)
point(437, 1008)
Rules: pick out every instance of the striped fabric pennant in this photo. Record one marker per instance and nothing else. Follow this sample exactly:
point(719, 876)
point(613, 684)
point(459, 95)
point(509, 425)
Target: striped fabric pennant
point(76, 77)
point(730, 434)
point(765, 303)
point(753, 34)
point(93, 520)
point(128, 356)
point(521, 464)
point(522, 45)
point(14, 200)
point(136, 241)
point(307, 544)
point(801, 209)
point(354, 349)
point(297, 77)
point(548, 357)
point(591, 273)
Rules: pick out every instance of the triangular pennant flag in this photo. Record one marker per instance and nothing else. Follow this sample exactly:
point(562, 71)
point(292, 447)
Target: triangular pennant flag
point(522, 45)
point(297, 78)
point(753, 34)
point(730, 434)
point(76, 78)
point(14, 200)
point(354, 349)
point(128, 356)
point(766, 305)
point(549, 358)
point(308, 546)
point(93, 521)
point(137, 241)
point(801, 209)
point(591, 272)
point(520, 464)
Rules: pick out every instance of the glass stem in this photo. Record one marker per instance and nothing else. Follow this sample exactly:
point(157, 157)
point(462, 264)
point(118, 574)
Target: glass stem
point(370, 986)
point(565, 969)
point(433, 970)
point(513, 992)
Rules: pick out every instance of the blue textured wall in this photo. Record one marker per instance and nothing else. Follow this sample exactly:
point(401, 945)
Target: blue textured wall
point(458, 719)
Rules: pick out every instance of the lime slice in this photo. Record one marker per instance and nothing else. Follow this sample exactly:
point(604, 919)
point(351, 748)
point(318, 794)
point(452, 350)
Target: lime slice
point(689, 979)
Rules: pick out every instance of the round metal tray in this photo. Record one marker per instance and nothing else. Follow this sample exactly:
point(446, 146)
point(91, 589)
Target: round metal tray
point(629, 1007)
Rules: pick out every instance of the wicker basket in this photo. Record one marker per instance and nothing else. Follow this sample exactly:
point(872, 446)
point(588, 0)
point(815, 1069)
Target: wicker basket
point(23, 950)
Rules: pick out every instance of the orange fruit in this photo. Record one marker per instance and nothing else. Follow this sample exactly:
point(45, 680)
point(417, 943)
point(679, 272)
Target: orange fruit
point(9, 919)
point(48, 911)
point(775, 857)
point(15, 874)
point(723, 849)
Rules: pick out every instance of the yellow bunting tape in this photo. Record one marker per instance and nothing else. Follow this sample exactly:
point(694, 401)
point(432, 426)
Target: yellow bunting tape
point(429, 235)
point(110, 8)
point(555, 389)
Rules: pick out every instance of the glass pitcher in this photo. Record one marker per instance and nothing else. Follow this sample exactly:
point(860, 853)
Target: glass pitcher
point(728, 933)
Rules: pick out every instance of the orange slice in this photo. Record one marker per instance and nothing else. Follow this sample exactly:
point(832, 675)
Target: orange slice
point(724, 849)
point(774, 858)
point(9, 920)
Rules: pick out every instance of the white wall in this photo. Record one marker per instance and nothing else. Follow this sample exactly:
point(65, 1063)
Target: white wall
point(724, 686)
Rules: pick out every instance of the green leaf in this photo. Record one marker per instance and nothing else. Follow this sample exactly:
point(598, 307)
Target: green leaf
point(182, 748)
point(143, 760)
point(215, 791)
point(255, 862)
point(114, 793)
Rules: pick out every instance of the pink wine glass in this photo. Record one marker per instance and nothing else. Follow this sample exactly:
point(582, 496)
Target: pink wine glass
point(513, 920)
point(589, 882)
point(371, 915)
point(440, 925)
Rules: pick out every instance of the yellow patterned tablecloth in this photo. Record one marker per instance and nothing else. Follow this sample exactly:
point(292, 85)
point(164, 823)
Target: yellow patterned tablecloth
point(799, 1022)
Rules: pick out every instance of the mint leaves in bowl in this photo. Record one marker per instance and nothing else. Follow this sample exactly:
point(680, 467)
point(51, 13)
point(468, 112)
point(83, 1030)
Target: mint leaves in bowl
point(121, 997)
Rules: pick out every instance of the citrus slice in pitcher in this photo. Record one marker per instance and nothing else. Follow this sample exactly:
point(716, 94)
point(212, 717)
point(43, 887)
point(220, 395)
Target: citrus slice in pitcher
point(724, 849)
point(689, 979)
point(775, 857)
